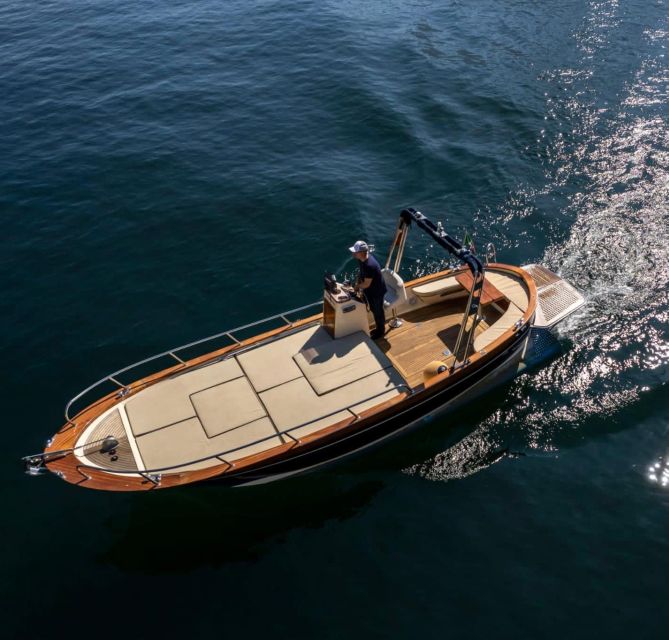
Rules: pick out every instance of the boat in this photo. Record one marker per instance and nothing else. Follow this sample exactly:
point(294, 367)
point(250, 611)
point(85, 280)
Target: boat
point(264, 402)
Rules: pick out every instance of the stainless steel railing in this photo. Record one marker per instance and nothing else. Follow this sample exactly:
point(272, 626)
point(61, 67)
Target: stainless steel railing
point(173, 353)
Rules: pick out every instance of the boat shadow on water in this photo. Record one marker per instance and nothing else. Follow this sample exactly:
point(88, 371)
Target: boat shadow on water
point(210, 525)
point(213, 525)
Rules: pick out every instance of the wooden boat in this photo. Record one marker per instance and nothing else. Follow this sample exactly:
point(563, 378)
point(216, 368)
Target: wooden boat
point(315, 389)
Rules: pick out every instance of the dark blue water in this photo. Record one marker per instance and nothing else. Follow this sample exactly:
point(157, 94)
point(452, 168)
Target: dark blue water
point(172, 169)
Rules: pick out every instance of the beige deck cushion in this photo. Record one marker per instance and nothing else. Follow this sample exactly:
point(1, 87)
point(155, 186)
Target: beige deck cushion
point(317, 425)
point(272, 364)
point(169, 401)
point(227, 406)
point(511, 286)
point(368, 404)
point(186, 442)
point(437, 288)
point(347, 414)
point(333, 364)
point(505, 322)
point(295, 403)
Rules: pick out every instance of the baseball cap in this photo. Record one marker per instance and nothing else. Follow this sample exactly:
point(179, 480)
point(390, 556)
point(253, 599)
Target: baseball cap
point(360, 245)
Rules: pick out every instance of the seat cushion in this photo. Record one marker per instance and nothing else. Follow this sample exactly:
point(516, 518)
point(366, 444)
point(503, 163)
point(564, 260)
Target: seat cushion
point(395, 291)
point(227, 406)
point(295, 404)
point(186, 442)
point(437, 288)
point(168, 402)
point(271, 364)
point(497, 329)
point(330, 365)
point(512, 287)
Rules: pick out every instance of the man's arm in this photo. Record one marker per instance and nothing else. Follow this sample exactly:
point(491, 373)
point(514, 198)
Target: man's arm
point(365, 283)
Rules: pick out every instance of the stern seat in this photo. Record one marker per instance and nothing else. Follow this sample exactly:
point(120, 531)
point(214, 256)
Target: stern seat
point(508, 319)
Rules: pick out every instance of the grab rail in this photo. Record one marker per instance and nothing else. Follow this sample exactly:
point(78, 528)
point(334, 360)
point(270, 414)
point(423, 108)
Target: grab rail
point(123, 388)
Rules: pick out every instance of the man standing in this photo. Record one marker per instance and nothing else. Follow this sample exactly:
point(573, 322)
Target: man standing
point(372, 285)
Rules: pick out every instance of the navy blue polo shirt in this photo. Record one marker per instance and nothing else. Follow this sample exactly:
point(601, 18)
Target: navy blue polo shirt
point(370, 268)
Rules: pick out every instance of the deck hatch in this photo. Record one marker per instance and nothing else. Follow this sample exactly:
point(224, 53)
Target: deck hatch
point(227, 406)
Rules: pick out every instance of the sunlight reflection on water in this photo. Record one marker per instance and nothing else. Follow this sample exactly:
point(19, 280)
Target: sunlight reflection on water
point(659, 472)
point(616, 254)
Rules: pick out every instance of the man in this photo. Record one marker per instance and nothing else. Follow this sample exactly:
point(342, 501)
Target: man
point(372, 285)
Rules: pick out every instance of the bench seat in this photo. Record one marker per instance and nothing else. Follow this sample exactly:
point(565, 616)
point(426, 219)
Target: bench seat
point(431, 291)
point(508, 319)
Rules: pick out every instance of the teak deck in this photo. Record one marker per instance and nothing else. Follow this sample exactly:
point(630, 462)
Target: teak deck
point(425, 335)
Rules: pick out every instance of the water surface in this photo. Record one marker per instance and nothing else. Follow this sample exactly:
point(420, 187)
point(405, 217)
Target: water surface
point(172, 169)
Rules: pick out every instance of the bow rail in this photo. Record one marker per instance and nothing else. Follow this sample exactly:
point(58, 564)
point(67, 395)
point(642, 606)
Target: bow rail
point(174, 354)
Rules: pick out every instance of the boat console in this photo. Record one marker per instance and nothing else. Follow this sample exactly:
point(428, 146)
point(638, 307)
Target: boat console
point(344, 312)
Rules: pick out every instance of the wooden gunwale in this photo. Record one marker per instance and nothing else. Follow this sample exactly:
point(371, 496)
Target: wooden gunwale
point(75, 472)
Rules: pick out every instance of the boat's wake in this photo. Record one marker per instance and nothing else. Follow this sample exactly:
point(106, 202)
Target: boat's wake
point(617, 255)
